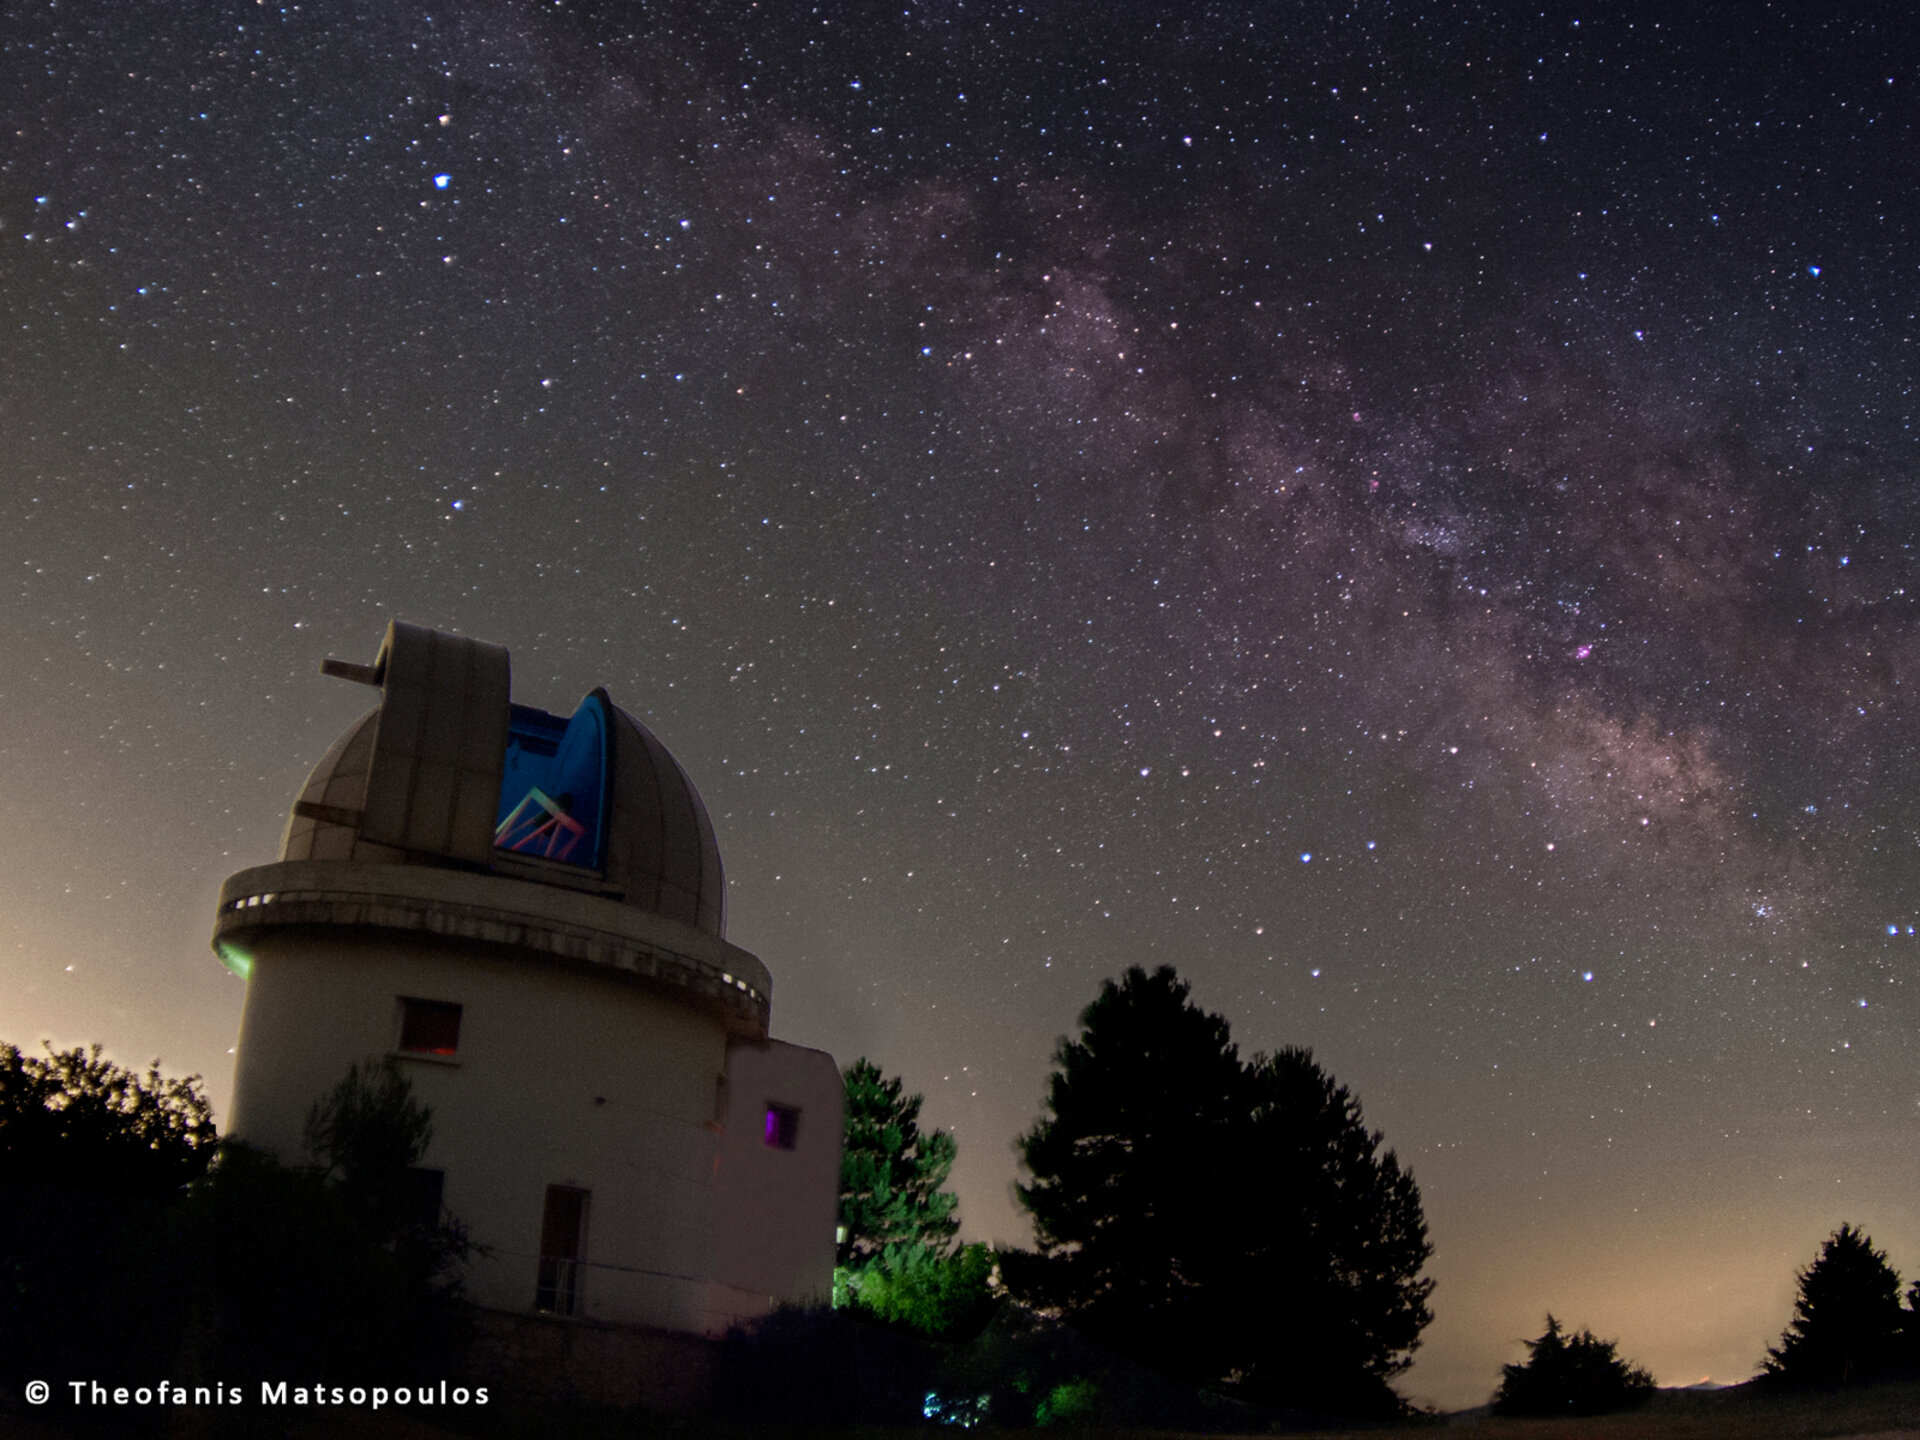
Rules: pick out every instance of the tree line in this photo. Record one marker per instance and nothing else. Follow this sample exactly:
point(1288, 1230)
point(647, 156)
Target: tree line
point(1850, 1325)
point(121, 1235)
point(1226, 1221)
point(1235, 1224)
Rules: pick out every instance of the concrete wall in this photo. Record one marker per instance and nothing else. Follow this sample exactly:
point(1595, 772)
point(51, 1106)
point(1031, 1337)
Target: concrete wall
point(540, 1358)
point(561, 1078)
point(777, 1209)
point(565, 1075)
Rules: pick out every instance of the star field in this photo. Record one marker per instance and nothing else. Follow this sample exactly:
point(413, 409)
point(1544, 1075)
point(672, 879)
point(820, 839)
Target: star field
point(1407, 515)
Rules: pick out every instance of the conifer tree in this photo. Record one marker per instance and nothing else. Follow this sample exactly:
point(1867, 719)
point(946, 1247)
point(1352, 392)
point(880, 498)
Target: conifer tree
point(1233, 1224)
point(897, 1261)
point(1847, 1322)
point(891, 1173)
point(1127, 1174)
point(1335, 1223)
point(1570, 1375)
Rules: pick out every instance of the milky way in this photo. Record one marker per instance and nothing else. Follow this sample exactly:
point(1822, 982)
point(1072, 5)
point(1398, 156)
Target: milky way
point(1407, 517)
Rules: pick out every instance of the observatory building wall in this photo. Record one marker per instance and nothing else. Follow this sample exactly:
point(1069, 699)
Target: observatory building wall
point(524, 914)
point(776, 1211)
point(560, 1077)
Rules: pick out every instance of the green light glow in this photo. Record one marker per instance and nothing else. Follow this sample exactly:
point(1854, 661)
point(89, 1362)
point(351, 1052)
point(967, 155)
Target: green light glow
point(234, 958)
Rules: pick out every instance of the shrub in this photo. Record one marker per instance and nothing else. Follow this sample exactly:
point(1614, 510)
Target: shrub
point(1570, 1375)
point(940, 1297)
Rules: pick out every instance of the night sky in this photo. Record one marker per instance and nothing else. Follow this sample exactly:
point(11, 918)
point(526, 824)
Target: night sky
point(1404, 514)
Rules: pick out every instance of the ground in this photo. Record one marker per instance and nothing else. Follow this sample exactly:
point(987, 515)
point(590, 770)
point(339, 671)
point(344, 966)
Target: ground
point(1881, 1412)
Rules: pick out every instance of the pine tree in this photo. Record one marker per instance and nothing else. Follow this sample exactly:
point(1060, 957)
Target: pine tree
point(897, 1262)
point(1570, 1375)
point(1847, 1323)
point(1233, 1224)
point(1128, 1177)
point(890, 1173)
point(1337, 1225)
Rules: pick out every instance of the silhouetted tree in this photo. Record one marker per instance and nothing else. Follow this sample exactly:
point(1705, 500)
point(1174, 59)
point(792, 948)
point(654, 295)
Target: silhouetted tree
point(1847, 1322)
point(890, 1173)
point(93, 1158)
point(368, 1124)
point(1570, 1375)
point(897, 1261)
point(73, 1119)
point(1128, 1174)
point(275, 1269)
point(1334, 1224)
point(258, 1268)
point(342, 1266)
point(1234, 1224)
point(367, 1136)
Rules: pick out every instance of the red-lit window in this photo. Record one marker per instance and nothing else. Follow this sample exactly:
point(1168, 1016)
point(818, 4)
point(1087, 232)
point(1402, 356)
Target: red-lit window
point(429, 1027)
point(783, 1127)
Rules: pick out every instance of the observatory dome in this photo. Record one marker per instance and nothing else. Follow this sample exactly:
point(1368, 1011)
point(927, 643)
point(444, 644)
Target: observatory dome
point(448, 809)
point(639, 832)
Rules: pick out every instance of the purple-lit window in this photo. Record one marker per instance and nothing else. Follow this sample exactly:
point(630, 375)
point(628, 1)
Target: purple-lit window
point(783, 1127)
point(429, 1027)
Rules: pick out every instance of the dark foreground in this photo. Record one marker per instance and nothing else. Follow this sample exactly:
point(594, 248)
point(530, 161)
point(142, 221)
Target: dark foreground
point(1881, 1411)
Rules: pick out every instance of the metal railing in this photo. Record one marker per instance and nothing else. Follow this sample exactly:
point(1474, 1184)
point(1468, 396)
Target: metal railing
point(560, 1287)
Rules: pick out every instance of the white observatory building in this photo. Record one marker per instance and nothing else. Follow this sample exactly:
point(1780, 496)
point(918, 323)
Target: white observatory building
point(527, 913)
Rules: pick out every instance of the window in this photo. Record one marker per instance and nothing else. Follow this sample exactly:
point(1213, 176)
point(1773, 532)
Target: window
point(563, 1247)
point(783, 1127)
point(429, 1027)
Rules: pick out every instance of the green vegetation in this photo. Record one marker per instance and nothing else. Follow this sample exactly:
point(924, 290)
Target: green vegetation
point(897, 1261)
point(1072, 1402)
point(939, 1295)
point(890, 1173)
point(1570, 1375)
